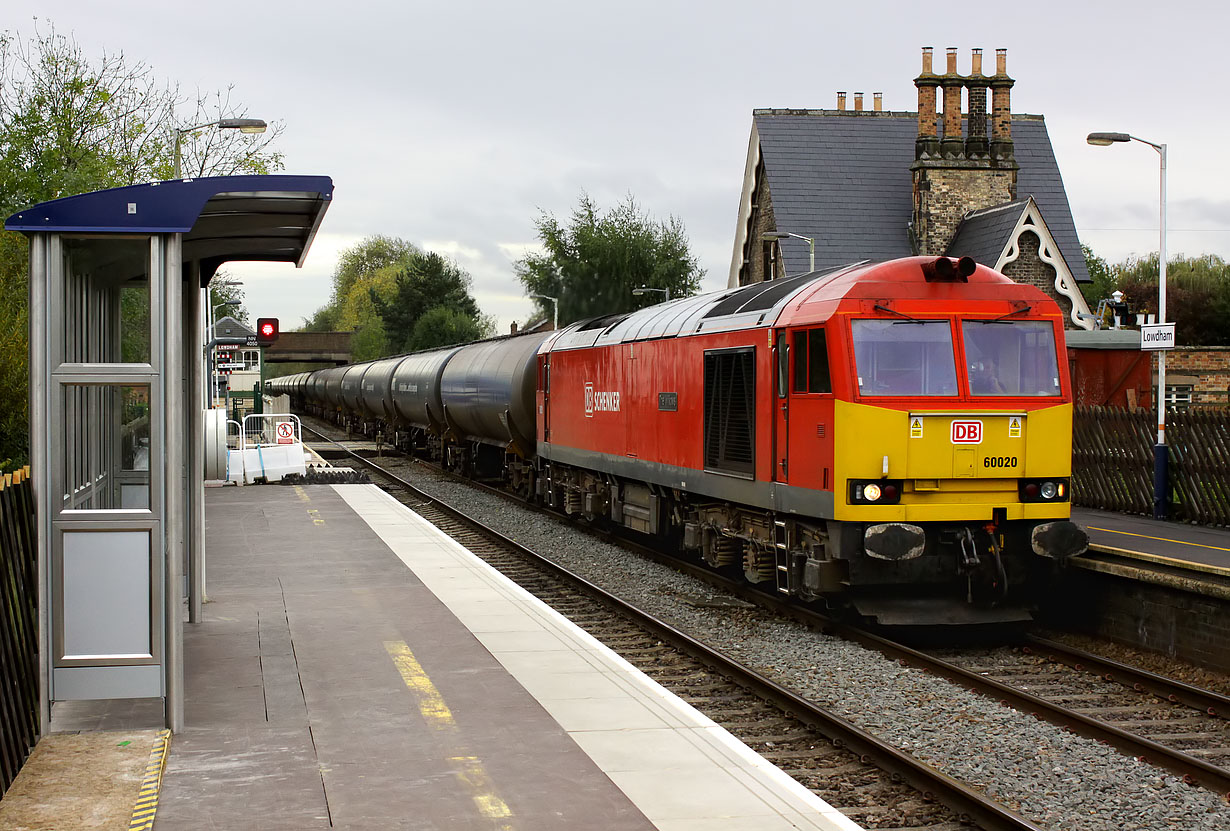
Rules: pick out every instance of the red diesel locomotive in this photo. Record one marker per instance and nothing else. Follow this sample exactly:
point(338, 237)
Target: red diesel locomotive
point(894, 437)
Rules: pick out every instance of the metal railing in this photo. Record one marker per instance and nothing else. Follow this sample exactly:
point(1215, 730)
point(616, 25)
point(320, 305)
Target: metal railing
point(19, 706)
point(1112, 462)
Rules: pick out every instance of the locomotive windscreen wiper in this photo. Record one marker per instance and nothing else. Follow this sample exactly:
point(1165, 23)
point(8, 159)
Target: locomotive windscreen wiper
point(908, 319)
point(1024, 310)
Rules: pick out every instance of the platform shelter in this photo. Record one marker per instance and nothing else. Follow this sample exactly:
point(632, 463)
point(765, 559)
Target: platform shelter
point(117, 420)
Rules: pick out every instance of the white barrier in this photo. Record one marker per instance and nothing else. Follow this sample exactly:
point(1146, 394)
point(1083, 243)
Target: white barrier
point(271, 449)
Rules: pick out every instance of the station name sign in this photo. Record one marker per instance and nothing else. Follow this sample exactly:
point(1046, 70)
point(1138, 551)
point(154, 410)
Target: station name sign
point(1157, 336)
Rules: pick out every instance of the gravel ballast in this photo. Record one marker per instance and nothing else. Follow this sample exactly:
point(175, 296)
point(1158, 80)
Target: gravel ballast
point(1054, 778)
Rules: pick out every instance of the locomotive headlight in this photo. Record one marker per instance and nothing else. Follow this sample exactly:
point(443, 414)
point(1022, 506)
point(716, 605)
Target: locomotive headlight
point(1048, 490)
point(871, 492)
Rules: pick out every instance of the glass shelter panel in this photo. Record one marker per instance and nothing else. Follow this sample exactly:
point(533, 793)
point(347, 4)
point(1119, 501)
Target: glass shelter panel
point(1011, 357)
point(105, 459)
point(106, 301)
point(904, 357)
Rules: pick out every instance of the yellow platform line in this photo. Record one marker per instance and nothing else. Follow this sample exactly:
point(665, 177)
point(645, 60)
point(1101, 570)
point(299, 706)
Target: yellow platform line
point(435, 712)
point(1160, 539)
point(147, 798)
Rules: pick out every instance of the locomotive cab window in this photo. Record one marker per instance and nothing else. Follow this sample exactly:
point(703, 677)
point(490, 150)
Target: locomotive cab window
point(1010, 357)
point(904, 357)
point(811, 362)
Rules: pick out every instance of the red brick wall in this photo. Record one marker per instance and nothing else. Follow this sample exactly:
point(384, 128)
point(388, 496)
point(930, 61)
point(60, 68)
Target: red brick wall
point(1210, 364)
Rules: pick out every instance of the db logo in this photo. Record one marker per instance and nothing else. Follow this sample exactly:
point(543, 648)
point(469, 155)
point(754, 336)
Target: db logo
point(966, 432)
point(589, 400)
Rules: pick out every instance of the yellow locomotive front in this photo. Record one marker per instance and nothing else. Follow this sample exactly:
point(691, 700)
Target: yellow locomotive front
point(951, 455)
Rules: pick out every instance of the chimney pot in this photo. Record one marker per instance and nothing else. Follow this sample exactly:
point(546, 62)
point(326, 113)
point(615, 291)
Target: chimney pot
point(841, 101)
point(927, 60)
point(1001, 61)
point(952, 60)
point(976, 62)
point(879, 98)
point(858, 102)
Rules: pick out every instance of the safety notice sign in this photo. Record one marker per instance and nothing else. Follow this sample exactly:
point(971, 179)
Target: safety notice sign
point(286, 432)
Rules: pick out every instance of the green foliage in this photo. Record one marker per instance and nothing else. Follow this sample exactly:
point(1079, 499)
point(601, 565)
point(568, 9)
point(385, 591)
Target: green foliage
point(425, 283)
point(72, 124)
point(1197, 293)
point(593, 264)
point(14, 419)
point(383, 287)
point(444, 326)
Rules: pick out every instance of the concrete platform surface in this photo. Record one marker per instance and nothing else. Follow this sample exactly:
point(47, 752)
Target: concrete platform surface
point(334, 685)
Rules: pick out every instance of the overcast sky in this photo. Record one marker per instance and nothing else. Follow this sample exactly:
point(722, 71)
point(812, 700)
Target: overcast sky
point(452, 124)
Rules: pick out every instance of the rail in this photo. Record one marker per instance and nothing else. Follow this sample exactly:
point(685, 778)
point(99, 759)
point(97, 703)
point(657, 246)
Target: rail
point(968, 803)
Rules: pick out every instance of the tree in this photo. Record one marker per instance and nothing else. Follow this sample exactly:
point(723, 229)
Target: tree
point(1197, 293)
point(444, 326)
point(593, 264)
point(1103, 283)
point(383, 286)
point(428, 282)
point(70, 124)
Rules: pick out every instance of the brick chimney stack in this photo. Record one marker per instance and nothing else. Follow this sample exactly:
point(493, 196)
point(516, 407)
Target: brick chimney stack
point(976, 129)
point(879, 99)
point(927, 145)
point(841, 102)
point(955, 174)
point(953, 145)
point(1001, 109)
point(858, 102)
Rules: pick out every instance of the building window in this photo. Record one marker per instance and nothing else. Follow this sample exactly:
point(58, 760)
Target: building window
point(251, 360)
point(1179, 396)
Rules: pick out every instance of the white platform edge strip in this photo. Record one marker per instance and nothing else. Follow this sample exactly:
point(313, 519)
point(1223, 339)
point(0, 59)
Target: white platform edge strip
point(363, 498)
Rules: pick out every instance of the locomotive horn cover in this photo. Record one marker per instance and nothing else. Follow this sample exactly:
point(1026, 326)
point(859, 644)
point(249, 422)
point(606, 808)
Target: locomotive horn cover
point(1059, 540)
point(894, 541)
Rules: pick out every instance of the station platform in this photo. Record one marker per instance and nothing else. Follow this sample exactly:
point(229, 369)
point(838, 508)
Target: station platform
point(358, 669)
point(1193, 547)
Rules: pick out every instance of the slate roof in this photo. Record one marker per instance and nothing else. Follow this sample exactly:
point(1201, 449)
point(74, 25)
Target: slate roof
point(845, 180)
point(983, 234)
point(229, 327)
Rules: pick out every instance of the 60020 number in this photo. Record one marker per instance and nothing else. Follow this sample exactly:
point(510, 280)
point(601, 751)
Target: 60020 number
point(999, 461)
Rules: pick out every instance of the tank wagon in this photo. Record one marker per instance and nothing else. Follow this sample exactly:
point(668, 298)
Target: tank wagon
point(893, 437)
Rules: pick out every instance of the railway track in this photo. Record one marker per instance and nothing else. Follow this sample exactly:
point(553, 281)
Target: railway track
point(870, 781)
point(1169, 724)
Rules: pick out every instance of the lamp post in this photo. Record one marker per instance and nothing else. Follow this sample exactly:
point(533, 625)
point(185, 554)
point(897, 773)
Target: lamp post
point(554, 310)
point(811, 244)
point(1161, 458)
point(243, 125)
point(648, 289)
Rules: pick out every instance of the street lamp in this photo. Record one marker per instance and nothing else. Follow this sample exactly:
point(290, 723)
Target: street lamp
point(243, 125)
point(648, 289)
point(1160, 456)
point(554, 309)
point(781, 235)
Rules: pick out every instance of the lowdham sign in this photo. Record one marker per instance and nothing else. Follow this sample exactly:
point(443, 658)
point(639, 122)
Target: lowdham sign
point(1157, 336)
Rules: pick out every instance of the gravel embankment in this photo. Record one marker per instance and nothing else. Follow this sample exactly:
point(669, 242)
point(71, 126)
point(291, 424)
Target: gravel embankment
point(1056, 779)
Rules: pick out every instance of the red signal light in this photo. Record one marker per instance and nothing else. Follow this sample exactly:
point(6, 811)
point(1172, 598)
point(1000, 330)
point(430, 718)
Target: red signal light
point(266, 330)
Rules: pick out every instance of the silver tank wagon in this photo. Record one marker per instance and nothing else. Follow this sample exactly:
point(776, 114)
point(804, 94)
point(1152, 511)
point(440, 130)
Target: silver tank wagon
point(488, 391)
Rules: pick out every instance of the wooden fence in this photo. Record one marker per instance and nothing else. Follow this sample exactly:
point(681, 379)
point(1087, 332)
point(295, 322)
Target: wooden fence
point(1112, 461)
point(18, 625)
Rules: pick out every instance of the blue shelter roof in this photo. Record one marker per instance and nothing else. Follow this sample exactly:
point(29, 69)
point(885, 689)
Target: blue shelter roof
point(223, 218)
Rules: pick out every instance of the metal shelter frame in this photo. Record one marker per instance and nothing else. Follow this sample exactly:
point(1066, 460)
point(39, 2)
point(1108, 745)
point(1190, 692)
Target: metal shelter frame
point(117, 418)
